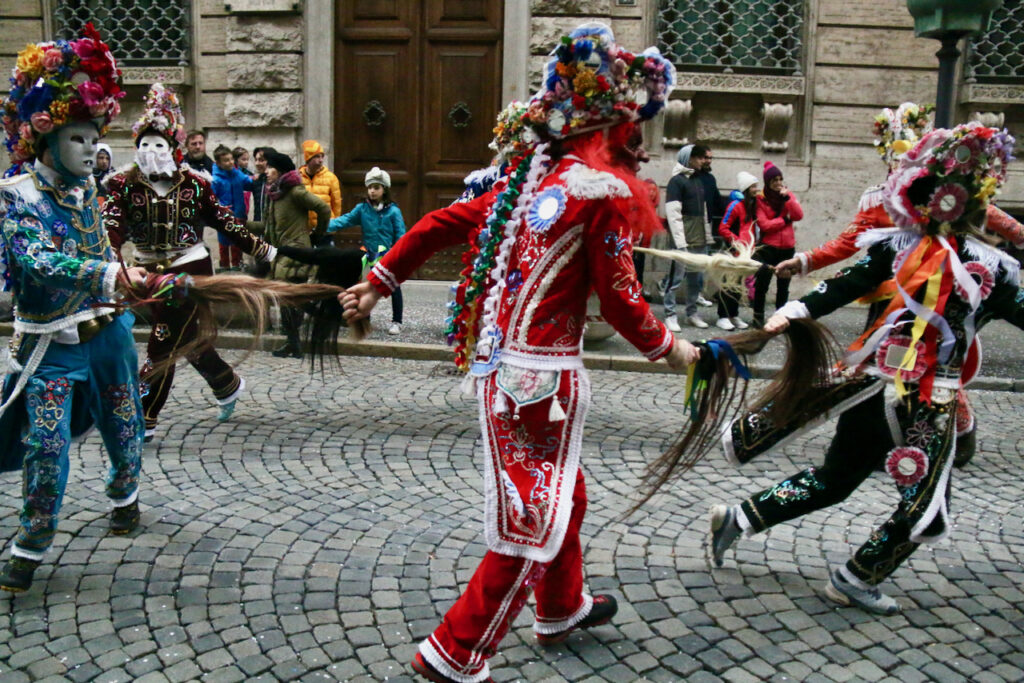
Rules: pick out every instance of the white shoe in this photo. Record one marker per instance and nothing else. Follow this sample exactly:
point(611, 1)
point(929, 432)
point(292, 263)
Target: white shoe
point(696, 321)
point(396, 328)
point(672, 323)
point(738, 323)
point(725, 324)
point(701, 301)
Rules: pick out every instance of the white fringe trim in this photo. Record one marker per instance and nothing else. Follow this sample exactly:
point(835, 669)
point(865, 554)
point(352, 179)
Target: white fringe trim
point(27, 554)
point(235, 395)
point(435, 659)
point(125, 502)
point(482, 174)
point(871, 198)
point(994, 260)
point(547, 628)
point(583, 182)
point(901, 239)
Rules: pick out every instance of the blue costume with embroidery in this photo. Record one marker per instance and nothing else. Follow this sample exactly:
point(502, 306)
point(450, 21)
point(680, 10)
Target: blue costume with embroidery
point(57, 260)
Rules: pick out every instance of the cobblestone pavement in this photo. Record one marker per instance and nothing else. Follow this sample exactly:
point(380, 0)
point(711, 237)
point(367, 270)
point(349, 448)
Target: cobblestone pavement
point(324, 530)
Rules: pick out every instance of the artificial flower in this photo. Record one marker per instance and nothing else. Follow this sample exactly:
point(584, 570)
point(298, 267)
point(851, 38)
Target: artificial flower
point(41, 122)
point(907, 465)
point(30, 61)
point(948, 202)
point(53, 58)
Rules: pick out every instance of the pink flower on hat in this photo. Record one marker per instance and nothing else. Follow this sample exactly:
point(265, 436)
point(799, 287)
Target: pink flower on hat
point(52, 59)
point(91, 93)
point(42, 122)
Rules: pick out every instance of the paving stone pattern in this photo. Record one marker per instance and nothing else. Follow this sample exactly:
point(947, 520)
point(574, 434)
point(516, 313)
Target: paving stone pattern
point(323, 532)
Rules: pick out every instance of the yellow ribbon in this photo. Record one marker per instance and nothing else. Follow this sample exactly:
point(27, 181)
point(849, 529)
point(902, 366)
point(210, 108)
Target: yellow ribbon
point(931, 300)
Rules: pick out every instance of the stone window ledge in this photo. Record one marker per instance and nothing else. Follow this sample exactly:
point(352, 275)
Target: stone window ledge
point(147, 75)
point(985, 93)
point(775, 87)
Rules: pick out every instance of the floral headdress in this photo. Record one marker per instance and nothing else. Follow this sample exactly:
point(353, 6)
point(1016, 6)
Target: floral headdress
point(948, 176)
point(57, 83)
point(162, 115)
point(897, 131)
point(591, 82)
point(512, 136)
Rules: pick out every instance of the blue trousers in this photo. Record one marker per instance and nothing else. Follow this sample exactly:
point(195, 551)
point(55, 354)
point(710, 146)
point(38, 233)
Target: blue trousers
point(78, 386)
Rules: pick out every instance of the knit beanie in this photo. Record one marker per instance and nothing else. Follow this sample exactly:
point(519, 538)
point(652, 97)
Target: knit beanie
point(744, 180)
point(770, 171)
point(310, 148)
point(376, 175)
point(281, 163)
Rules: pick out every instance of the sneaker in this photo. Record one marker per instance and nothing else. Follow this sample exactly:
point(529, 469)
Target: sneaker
point(738, 323)
point(871, 599)
point(603, 610)
point(724, 531)
point(425, 669)
point(16, 575)
point(395, 328)
point(701, 301)
point(696, 321)
point(125, 519)
point(672, 323)
point(725, 324)
point(226, 411)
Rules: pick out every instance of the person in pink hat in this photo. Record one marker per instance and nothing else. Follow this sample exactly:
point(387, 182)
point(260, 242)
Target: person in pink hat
point(777, 211)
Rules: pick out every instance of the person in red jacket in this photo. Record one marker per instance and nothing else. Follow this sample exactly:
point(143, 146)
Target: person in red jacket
point(737, 228)
point(558, 226)
point(777, 211)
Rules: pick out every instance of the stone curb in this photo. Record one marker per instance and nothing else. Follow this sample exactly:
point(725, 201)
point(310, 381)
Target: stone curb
point(439, 352)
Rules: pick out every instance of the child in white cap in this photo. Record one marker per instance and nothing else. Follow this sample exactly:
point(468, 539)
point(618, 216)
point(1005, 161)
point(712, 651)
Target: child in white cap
point(382, 224)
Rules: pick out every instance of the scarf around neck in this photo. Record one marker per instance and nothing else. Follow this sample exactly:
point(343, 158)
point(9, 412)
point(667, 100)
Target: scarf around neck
point(286, 182)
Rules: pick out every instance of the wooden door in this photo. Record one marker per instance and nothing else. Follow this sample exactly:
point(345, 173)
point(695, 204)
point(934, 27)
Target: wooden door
point(418, 88)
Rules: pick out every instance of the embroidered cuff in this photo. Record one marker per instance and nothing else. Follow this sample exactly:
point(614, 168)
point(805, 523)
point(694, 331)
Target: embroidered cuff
point(805, 262)
point(794, 309)
point(110, 280)
point(383, 280)
point(662, 350)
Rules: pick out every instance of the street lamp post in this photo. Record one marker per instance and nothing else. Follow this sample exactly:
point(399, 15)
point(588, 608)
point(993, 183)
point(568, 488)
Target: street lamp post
point(949, 21)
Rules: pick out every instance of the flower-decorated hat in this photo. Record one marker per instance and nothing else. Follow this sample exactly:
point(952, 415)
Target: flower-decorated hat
point(948, 177)
point(897, 131)
point(57, 83)
point(590, 82)
point(512, 135)
point(161, 115)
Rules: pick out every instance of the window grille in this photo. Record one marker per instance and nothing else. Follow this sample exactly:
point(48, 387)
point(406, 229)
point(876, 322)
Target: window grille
point(139, 32)
point(996, 56)
point(742, 36)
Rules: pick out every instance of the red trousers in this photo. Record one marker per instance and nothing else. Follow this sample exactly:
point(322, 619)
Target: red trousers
point(476, 623)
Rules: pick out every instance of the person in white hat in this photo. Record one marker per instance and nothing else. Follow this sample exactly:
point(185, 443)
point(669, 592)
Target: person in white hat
point(382, 224)
point(737, 226)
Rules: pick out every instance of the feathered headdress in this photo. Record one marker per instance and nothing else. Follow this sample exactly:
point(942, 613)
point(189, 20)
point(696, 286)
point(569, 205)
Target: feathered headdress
point(162, 115)
point(948, 177)
point(57, 83)
point(591, 82)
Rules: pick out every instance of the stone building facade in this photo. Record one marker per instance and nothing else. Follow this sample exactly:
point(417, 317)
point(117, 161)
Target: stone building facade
point(270, 72)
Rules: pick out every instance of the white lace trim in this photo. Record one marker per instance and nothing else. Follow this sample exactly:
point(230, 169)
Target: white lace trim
point(993, 259)
point(583, 182)
point(871, 198)
point(547, 628)
point(482, 174)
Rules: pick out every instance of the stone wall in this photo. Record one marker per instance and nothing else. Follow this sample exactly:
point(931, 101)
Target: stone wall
point(21, 22)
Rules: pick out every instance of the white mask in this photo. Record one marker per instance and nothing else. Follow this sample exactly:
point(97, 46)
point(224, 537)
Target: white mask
point(77, 144)
point(154, 156)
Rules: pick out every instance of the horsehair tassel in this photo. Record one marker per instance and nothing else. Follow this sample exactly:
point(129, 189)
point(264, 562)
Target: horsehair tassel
point(500, 402)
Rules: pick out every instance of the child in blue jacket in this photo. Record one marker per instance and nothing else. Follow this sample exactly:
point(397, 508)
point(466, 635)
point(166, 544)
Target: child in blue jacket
point(230, 185)
point(382, 224)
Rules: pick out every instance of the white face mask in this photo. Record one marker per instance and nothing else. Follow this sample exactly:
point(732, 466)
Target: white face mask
point(154, 156)
point(77, 144)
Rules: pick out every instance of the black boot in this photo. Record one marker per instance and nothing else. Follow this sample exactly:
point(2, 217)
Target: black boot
point(966, 445)
point(605, 607)
point(286, 350)
point(16, 575)
point(124, 520)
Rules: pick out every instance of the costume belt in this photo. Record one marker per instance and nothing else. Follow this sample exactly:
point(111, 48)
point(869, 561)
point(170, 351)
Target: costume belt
point(159, 261)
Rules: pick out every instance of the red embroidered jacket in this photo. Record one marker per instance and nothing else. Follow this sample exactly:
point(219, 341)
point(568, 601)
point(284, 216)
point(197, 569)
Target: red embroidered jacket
point(997, 222)
point(555, 263)
point(134, 212)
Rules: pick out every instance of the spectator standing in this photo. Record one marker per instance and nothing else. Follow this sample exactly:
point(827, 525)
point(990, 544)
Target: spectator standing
point(685, 210)
point(320, 181)
point(259, 182)
point(735, 228)
point(777, 211)
point(104, 168)
point(716, 205)
point(195, 152)
point(382, 224)
point(286, 224)
point(229, 185)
